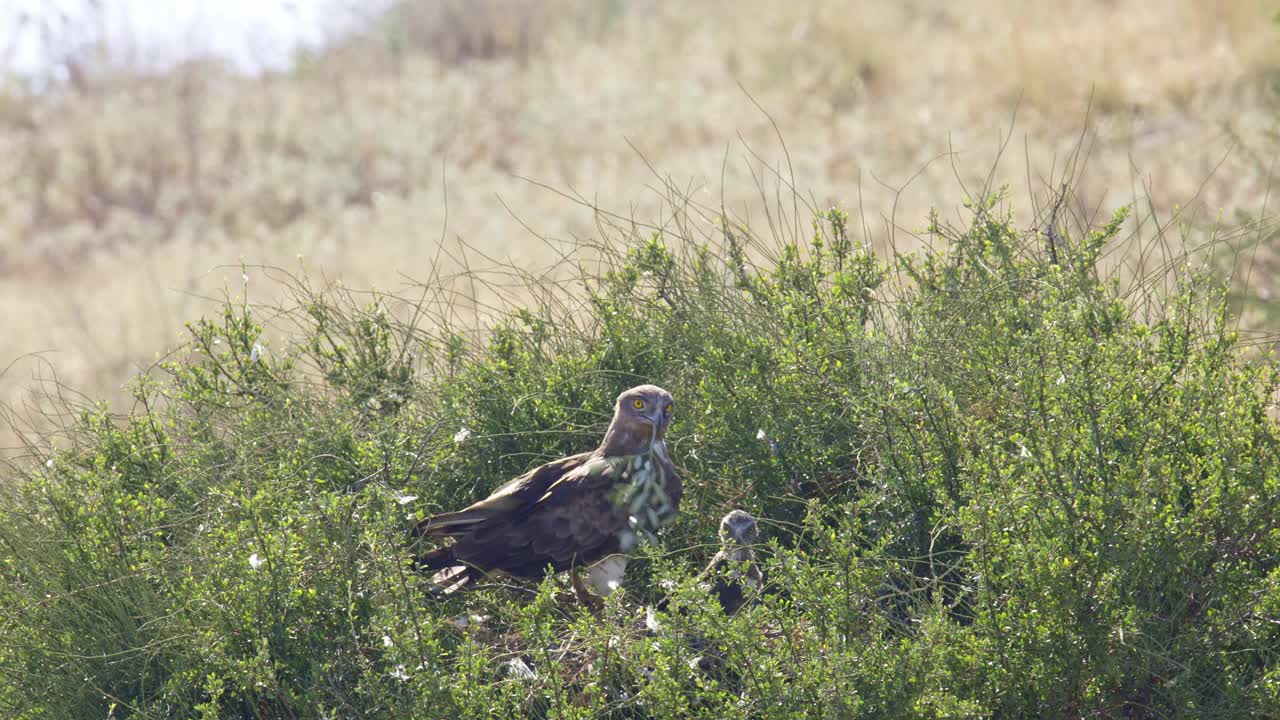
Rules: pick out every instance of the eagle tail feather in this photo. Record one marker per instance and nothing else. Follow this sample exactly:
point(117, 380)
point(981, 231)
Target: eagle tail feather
point(450, 575)
point(450, 580)
point(436, 559)
point(451, 523)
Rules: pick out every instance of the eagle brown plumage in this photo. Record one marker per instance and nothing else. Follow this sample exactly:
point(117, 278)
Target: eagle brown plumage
point(569, 513)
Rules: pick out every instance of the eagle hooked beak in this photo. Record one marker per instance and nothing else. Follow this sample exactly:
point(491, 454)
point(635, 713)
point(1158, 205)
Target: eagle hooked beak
point(654, 424)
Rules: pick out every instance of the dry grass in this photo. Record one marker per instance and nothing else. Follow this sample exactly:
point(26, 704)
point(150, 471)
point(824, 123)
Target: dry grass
point(123, 204)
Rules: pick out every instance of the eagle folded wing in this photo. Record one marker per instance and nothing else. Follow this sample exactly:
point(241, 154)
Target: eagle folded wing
point(573, 522)
point(511, 497)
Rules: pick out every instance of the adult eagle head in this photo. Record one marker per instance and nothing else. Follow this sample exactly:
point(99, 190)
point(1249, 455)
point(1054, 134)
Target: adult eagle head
point(641, 417)
point(585, 510)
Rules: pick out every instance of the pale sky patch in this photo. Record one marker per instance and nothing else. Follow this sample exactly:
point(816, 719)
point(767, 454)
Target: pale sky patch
point(252, 35)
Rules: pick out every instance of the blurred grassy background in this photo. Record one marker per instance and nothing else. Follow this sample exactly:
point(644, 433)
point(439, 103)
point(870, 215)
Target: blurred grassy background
point(128, 200)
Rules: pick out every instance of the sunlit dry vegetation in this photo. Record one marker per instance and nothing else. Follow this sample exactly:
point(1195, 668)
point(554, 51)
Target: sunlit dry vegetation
point(124, 198)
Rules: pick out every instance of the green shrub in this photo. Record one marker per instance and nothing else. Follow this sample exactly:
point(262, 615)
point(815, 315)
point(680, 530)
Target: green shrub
point(990, 488)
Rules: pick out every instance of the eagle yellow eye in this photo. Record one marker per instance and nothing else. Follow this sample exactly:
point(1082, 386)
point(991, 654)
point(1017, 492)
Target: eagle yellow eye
point(667, 409)
point(637, 404)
